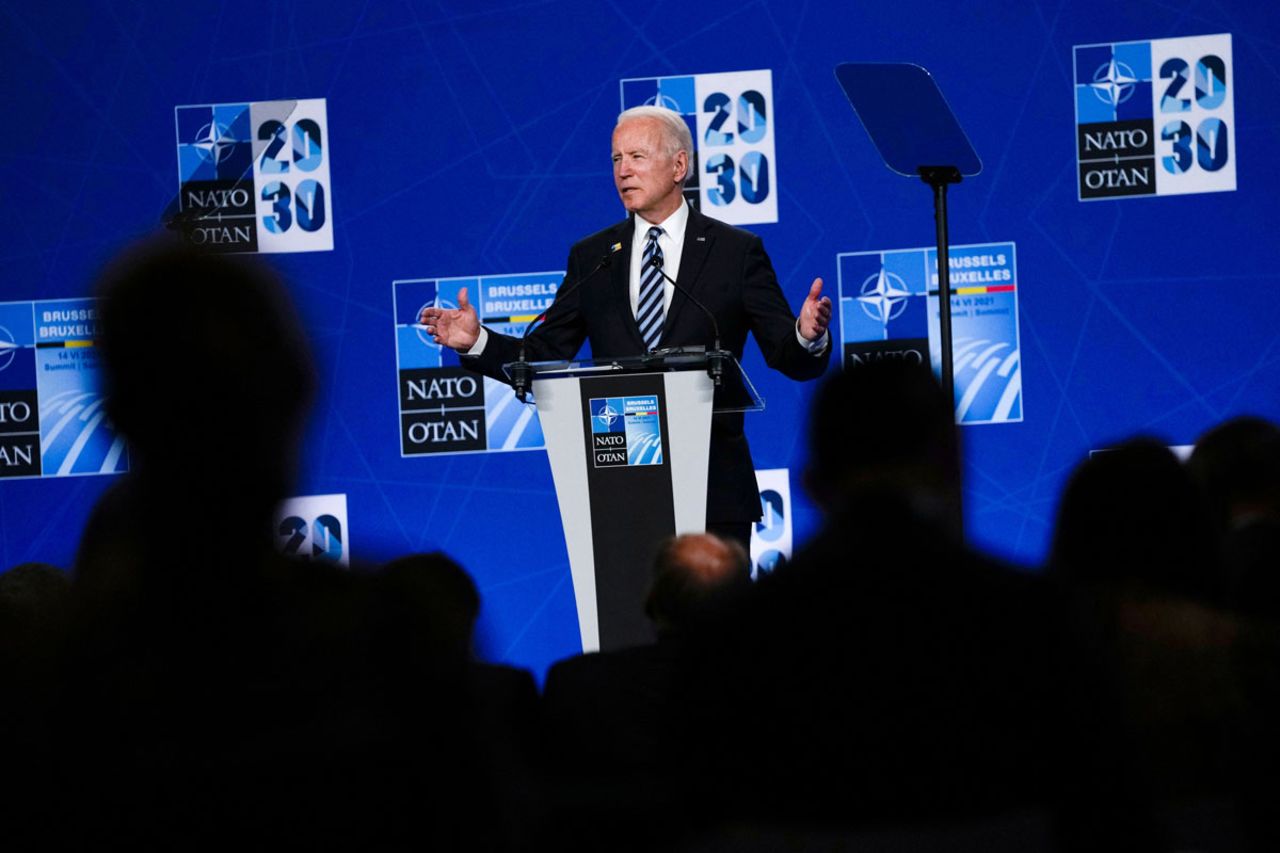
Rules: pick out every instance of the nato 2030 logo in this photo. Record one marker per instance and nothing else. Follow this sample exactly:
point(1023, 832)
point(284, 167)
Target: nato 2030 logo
point(52, 423)
point(1155, 117)
point(625, 431)
point(771, 536)
point(734, 174)
point(314, 527)
point(889, 310)
point(254, 177)
point(445, 408)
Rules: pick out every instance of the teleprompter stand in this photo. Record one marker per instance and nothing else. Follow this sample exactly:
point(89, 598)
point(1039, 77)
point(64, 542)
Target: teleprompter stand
point(917, 135)
point(628, 440)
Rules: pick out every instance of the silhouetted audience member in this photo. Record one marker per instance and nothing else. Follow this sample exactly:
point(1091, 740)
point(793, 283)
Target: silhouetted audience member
point(1132, 516)
point(1134, 544)
point(1237, 467)
point(220, 691)
point(430, 607)
point(608, 715)
point(34, 604)
point(439, 601)
point(692, 572)
point(603, 709)
point(889, 675)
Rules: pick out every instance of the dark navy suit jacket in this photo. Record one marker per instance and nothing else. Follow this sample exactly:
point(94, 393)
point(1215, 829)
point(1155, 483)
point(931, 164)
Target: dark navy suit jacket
point(727, 270)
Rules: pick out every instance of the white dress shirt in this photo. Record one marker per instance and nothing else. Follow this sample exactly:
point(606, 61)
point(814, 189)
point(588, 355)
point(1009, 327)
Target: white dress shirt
point(670, 241)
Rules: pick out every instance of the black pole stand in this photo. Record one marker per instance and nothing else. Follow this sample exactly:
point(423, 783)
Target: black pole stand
point(911, 126)
point(938, 177)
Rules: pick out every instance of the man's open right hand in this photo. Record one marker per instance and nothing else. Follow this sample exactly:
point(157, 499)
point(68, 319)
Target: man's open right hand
point(456, 328)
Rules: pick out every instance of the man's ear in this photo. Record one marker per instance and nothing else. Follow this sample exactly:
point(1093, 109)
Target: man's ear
point(681, 167)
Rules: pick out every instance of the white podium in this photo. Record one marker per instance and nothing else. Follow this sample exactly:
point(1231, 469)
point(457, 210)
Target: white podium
point(628, 442)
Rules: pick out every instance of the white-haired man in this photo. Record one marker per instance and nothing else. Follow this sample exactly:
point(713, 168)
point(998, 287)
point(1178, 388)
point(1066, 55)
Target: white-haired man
point(724, 267)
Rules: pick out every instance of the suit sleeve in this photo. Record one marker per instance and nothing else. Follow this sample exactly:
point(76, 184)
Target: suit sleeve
point(558, 337)
point(771, 319)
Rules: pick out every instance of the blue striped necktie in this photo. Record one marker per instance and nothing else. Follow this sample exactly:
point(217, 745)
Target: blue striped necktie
point(649, 306)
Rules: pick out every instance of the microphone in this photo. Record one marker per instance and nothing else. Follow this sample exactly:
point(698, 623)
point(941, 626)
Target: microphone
point(521, 373)
point(715, 356)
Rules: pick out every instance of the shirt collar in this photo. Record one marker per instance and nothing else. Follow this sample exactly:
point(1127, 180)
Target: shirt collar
point(674, 225)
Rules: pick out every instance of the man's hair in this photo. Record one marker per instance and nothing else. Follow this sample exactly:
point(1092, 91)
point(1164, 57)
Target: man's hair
point(675, 133)
point(884, 425)
point(434, 599)
point(690, 572)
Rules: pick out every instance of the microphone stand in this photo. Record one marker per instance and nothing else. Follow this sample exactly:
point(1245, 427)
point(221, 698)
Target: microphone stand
point(716, 355)
point(521, 371)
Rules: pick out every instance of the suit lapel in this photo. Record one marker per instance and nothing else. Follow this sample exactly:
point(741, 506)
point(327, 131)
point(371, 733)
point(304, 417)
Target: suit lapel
point(697, 246)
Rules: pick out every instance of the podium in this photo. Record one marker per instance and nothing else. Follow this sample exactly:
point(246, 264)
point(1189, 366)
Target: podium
point(628, 441)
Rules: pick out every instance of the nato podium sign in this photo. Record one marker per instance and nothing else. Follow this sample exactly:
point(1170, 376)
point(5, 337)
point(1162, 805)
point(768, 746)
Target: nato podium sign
point(628, 441)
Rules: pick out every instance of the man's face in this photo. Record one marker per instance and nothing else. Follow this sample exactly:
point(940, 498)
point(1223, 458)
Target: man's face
point(649, 181)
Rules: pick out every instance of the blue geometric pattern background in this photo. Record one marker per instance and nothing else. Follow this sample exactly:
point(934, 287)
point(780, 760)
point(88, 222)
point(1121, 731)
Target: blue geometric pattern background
point(473, 135)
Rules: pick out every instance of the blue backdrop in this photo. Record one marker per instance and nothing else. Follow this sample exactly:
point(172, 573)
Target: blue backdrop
point(470, 137)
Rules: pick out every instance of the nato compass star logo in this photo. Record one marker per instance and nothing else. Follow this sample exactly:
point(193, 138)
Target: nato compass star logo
point(215, 142)
point(8, 348)
point(884, 296)
point(421, 330)
point(1113, 83)
point(661, 100)
point(607, 416)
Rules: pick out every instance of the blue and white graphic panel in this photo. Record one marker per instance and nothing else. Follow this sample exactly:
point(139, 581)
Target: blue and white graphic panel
point(254, 177)
point(52, 421)
point(445, 408)
point(1155, 117)
point(314, 527)
point(771, 537)
point(731, 118)
point(626, 431)
point(888, 304)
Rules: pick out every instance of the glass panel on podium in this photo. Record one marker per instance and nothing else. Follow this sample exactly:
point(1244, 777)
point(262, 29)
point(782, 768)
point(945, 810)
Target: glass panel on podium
point(733, 393)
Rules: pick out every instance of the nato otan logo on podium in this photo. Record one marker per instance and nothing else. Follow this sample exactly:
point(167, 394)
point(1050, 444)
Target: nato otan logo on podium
point(734, 174)
point(254, 177)
point(52, 422)
point(888, 303)
point(625, 431)
point(1155, 117)
point(445, 408)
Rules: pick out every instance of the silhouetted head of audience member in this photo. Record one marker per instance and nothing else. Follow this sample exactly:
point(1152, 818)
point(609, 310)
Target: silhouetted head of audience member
point(690, 571)
point(1131, 515)
point(435, 599)
point(1237, 467)
point(206, 372)
point(884, 428)
point(34, 599)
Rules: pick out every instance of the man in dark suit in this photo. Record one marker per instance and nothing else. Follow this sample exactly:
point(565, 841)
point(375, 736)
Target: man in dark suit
point(615, 297)
point(608, 717)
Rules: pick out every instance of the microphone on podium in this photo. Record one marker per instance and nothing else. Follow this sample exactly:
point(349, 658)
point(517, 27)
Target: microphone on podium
point(715, 355)
point(521, 373)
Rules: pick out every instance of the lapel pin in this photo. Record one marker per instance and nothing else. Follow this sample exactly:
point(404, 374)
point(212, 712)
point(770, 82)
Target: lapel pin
point(616, 247)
